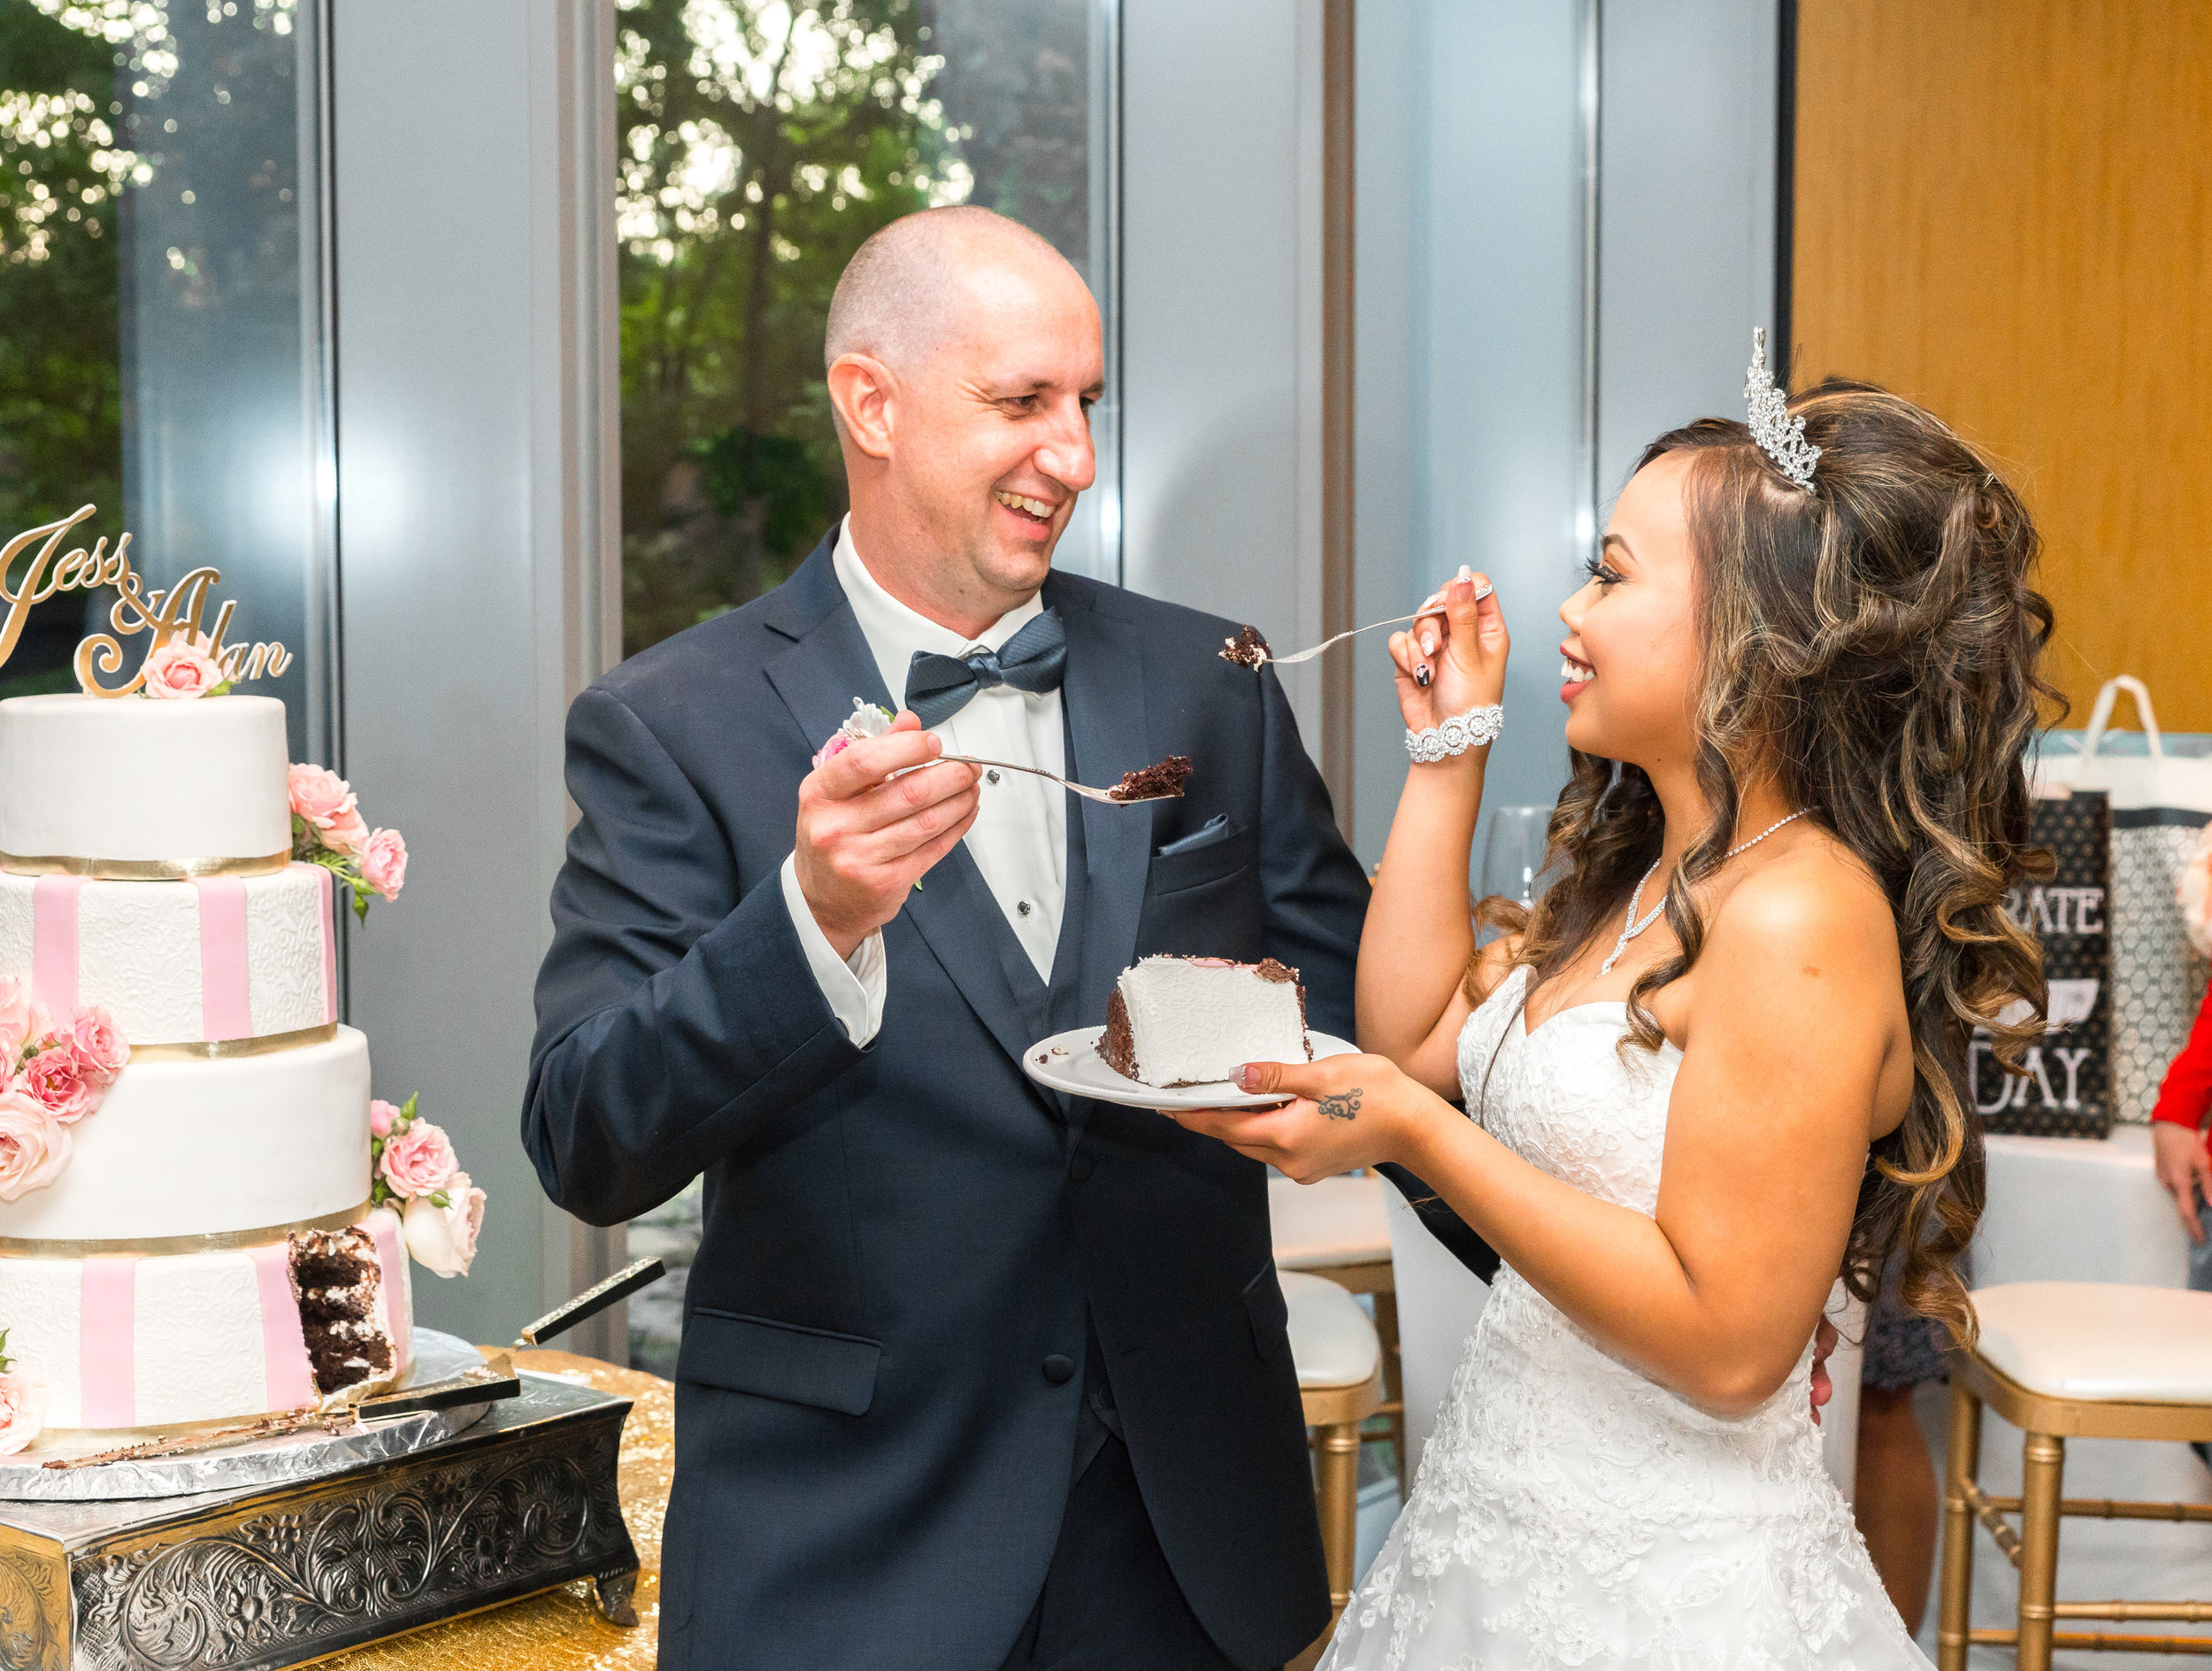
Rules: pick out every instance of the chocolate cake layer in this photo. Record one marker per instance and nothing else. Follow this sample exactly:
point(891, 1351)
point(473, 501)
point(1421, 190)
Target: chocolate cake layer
point(1118, 1044)
point(1167, 778)
point(335, 1283)
point(1247, 649)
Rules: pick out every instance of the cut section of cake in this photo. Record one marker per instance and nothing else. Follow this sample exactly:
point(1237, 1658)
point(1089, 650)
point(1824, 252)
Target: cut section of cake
point(1175, 1021)
point(339, 1281)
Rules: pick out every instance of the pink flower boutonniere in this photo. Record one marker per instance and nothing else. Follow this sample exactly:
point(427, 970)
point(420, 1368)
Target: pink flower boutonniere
point(866, 721)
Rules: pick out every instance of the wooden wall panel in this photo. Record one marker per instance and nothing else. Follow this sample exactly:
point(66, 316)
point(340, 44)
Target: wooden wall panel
point(2004, 211)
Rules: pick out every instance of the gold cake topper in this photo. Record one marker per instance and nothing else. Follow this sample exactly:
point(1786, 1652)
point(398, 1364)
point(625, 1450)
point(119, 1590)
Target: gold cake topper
point(179, 610)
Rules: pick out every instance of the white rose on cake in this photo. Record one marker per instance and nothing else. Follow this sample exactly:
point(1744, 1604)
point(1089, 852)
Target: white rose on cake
point(442, 1228)
point(23, 1403)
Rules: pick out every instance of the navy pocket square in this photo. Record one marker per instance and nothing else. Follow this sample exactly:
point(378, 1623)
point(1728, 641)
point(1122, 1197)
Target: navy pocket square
point(1213, 830)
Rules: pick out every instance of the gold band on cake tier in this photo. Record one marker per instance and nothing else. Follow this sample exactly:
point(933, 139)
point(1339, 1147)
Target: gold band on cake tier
point(155, 1247)
point(144, 869)
point(229, 1049)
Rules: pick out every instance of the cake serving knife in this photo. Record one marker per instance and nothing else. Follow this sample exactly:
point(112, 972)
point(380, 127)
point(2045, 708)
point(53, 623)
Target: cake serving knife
point(591, 1301)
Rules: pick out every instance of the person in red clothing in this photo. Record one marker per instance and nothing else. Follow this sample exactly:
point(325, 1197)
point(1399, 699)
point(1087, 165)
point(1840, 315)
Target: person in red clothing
point(2184, 1101)
point(2178, 1129)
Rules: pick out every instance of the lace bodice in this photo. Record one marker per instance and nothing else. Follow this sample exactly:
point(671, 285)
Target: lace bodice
point(1571, 1512)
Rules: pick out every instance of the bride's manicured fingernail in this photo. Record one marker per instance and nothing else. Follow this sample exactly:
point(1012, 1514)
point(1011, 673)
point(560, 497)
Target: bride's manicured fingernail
point(1428, 644)
point(1248, 1077)
point(1421, 677)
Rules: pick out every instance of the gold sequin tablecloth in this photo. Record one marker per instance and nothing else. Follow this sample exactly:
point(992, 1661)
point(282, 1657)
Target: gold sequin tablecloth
point(561, 1630)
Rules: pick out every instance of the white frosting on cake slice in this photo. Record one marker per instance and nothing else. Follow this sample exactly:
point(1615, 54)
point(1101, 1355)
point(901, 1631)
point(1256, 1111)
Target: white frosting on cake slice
point(1197, 1020)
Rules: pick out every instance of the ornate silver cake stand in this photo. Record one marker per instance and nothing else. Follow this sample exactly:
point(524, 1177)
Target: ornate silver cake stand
point(307, 1547)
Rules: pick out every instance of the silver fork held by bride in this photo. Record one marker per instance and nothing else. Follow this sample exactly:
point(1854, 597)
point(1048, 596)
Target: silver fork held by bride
point(1396, 620)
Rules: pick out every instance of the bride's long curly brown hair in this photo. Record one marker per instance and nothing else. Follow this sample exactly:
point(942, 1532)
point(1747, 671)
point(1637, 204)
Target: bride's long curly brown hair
point(1873, 643)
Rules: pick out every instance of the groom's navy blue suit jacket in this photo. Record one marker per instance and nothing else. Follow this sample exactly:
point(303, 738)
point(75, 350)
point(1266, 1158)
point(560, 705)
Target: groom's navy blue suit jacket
point(876, 1416)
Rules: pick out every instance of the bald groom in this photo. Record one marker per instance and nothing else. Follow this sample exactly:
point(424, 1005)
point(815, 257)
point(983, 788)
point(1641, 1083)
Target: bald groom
point(972, 1376)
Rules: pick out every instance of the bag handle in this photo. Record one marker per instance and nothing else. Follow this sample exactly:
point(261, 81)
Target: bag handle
point(2101, 715)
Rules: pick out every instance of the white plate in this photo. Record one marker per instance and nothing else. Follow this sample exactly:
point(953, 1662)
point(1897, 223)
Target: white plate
point(1069, 1062)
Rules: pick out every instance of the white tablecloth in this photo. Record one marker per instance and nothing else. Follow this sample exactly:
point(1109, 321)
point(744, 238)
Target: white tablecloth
point(2077, 1211)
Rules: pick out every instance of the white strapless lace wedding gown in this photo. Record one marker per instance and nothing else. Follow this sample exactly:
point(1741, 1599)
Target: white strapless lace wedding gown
point(1569, 1511)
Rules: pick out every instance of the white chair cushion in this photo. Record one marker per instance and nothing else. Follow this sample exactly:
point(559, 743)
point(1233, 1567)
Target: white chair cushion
point(2099, 1341)
point(1335, 1221)
point(1332, 1339)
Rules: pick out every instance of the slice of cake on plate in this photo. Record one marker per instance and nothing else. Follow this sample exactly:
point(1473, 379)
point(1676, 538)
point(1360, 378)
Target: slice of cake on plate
point(1195, 1020)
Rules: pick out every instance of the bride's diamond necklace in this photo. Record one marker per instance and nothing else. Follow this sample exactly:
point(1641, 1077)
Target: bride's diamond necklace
point(1630, 928)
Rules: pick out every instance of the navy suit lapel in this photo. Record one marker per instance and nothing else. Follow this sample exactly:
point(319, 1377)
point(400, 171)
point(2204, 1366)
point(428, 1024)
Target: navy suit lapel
point(1104, 694)
point(817, 677)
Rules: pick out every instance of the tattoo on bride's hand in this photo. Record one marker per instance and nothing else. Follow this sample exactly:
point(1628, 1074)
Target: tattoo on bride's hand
point(1342, 1106)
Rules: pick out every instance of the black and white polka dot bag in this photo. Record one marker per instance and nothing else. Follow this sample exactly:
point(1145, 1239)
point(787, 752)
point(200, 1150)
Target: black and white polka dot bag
point(2161, 804)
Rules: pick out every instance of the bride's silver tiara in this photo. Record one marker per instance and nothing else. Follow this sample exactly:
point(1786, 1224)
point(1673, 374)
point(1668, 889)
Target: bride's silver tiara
point(1781, 436)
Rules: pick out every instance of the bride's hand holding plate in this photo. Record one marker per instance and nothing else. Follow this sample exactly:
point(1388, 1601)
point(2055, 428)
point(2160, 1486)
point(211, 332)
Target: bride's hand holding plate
point(1342, 1113)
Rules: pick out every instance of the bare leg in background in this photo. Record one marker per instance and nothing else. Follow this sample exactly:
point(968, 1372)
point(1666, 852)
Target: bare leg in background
point(1895, 1498)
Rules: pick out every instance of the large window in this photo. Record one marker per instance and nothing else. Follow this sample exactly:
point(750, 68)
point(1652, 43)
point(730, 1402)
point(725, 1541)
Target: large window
point(761, 142)
point(162, 329)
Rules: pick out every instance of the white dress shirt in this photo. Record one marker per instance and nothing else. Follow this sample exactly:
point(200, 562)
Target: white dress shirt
point(1020, 837)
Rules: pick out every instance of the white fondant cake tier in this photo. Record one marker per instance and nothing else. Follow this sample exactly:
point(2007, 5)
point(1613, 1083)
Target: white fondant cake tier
point(1195, 1020)
point(219, 958)
point(144, 1343)
point(135, 781)
point(210, 1148)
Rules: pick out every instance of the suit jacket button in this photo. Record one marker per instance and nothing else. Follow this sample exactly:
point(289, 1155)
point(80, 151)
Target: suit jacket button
point(1079, 1168)
point(1059, 1369)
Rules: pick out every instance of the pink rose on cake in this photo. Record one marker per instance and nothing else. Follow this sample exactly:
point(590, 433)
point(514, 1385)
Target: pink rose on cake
point(22, 1021)
point(182, 670)
point(327, 829)
point(419, 1160)
point(23, 1401)
point(320, 795)
point(382, 1117)
point(34, 1145)
point(53, 1080)
point(97, 1044)
point(347, 836)
point(384, 863)
point(441, 1227)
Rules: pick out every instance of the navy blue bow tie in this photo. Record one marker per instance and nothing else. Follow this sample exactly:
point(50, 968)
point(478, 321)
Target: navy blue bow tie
point(1033, 659)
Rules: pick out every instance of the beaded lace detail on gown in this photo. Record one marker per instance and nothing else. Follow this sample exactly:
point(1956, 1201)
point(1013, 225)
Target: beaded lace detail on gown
point(1569, 1512)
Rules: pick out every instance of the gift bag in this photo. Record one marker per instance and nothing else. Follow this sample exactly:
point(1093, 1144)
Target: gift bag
point(2067, 1088)
point(2159, 805)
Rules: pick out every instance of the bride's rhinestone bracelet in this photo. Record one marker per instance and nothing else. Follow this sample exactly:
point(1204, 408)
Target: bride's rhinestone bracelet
point(1456, 736)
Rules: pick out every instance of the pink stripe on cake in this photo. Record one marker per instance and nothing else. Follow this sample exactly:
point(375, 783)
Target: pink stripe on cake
point(290, 1378)
point(391, 1256)
point(54, 942)
point(329, 930)
point(104, 1359)
point(225, 991)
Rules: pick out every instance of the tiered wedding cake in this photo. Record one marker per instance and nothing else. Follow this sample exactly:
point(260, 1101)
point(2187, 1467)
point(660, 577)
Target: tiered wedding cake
point(198, 1243)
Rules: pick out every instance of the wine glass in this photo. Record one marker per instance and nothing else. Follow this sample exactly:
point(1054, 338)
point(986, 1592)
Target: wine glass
point(1513, 854)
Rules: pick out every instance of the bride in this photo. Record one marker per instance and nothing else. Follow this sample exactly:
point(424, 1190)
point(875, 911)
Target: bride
point(1725, 1057)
